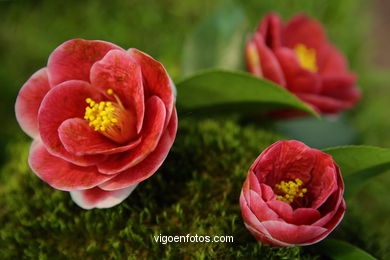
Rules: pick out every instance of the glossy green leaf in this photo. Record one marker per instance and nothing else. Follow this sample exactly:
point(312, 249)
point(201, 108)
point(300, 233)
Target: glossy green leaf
point(341, 250)
point(225, 91)
point(218, 40)
point(360, 163)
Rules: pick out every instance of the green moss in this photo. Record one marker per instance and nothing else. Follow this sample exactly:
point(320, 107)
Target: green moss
point(196, 191)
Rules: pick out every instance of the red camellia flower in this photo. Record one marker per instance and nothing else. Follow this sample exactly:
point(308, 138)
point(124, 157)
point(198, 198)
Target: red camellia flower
point(102, 118)
point(293, 195)
point(299, 57)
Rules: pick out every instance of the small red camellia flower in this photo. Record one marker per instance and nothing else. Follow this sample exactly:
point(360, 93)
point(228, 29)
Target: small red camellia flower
point(293, 195)
point(102, 118)
point(299, 57)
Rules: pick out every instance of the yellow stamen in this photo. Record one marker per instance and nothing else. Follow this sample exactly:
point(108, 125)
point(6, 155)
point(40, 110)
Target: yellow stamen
point(289, 191)
point(110, 119)
point(307, 57)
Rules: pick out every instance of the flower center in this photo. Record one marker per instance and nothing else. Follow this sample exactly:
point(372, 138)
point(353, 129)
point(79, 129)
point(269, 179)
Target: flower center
point(289, 191)
point(307, 57)
point(111, 119)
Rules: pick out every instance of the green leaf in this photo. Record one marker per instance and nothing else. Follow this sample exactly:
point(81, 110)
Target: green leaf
point(218, 41)
point(337, 249)
point(359, 163)
point(225, 91)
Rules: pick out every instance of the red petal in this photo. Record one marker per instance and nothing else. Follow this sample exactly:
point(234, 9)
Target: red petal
point(267, 193)
point(61, 174)
point(331, 61)
point(74, 58)
point(261, 210)
point(324, 104)
point(67, 100)
point(323, 179)
point(272, 29)
point(254, 183)
point(149, 165)
point(304, 30)
point(80, 139)
point(120, 72)
point(253, 59)
point(270, 66)
point(283, 209)
point(341, 87)
point(28, 101)
point(292, 234)
point(151, 132)
point(98, 198)
point(284, 160)
point(156, 80)
point(305, 216)
point(299, 80)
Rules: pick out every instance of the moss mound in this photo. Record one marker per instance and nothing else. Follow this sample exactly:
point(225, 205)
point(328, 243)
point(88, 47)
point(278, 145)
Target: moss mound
point(208, 162)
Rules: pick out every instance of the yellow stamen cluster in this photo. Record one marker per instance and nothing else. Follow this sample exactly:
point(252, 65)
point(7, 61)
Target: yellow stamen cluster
point(307, 57)
point(289, 191)
point(100, 115)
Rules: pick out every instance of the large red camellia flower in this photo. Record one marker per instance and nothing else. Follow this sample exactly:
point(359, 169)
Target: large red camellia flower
point(293, 195)
point(299, 57)
point(102, 118)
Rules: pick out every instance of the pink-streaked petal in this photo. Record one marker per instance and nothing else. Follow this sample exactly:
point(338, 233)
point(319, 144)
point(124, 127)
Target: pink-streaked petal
point(73, 59)
point(155, 80)
point(305, 216)
point(299, 79)
point(254, 183)
point(267, 192)
point(255, 226)
point(149, 165)
point(28, 101)
point(303, 30)
point(67, 100)
point(98, 198)
point(151, 133)
point(61, 174)
point(330, 208)
point(293, 234)
point(284, 160)
point(121, 73)
point(261, 209)
point(80, 139)
point(272, 29)
point(283, 209)
point(270, 67)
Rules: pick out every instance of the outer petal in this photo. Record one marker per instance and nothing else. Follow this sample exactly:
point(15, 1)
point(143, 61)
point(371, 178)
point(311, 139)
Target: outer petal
point(292, 234)
point(341, 87)
point(149, 165)
point(61, 174)
point(74, 58)
point(156, 80)
point(299, 80)
point(80, 139)
point(28, 101)
point(270, 66)
point(120, 72)
point(271, 28)
point(98, 198)
point(67, 100)
point(284, 160)
point(324, 104)
point(331, 61)
point(151, 133)
point(261, 210)
point(302, 29)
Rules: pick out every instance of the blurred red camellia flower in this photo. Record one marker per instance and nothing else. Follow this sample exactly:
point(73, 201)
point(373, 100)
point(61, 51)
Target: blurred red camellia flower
point(102, 118)
point(293, 195)
point(299, 57)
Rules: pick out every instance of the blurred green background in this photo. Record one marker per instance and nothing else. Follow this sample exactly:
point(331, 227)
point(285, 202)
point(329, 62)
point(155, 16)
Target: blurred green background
point(30, 30)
